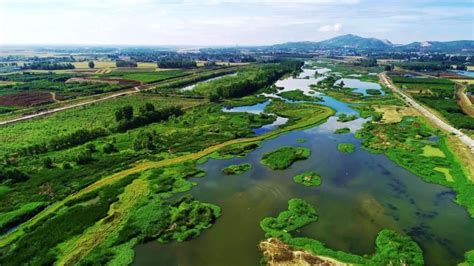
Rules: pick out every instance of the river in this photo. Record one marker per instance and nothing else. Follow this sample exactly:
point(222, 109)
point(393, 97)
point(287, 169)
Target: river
point(361, 193)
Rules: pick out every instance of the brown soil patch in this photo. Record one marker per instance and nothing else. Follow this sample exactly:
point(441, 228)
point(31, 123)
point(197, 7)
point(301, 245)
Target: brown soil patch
point(26, 99)
point(278, 253)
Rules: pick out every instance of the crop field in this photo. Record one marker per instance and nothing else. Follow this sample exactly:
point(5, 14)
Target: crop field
point(146, 77)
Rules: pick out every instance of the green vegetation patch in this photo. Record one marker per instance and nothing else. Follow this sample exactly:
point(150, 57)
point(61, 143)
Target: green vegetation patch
point(308, 179)
point(346, 118)
point(11, 218)
point(147, 76)
point(343, 130)
point(391, 248)
point(282, 158)
point(373, 92)
point(237, 169)
point(298, 95)
point(346, 147)
point(431, 151)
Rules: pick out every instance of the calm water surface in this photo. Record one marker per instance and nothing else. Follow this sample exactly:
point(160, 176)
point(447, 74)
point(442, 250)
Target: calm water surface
point(361, 193)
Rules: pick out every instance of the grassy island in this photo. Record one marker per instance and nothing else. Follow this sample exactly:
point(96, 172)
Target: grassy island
point(343, 130)
point(308, 179)
point(346, 118)
point(346, 147)
point(297, 95)
point(236, 169)
point(391, 248)
point(282, 158)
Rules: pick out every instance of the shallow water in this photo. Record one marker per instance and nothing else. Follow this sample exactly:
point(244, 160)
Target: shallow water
point(465, 73)
point(360, 86)
point(361, 193)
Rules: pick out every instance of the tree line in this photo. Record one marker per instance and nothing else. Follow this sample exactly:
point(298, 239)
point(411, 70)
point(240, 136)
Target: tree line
point(176, 64)
point(48, 66)
point(247, 82)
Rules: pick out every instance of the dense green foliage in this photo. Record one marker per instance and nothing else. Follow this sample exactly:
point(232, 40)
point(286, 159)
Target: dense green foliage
point(299, 213)
point(343, 130)
point(62, 226)
point(236, 169)
point(373, 92)
point(176, 64)
point(247, 81)
point(123, 63)
point(308, 179)
point(146, 76)
point(346, 147)
point(284, 157)
point(297, 95)
point(48, 66)
point(346, 118)
point(14, 217)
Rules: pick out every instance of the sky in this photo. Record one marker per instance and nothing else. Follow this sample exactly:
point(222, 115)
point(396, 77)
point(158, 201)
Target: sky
point(230, 22)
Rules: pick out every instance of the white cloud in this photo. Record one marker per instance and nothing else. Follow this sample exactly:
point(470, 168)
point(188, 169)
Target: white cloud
point(331, 28)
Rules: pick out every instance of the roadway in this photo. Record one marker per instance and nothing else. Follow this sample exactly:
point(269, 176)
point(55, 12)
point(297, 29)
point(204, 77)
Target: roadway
point(427, 113)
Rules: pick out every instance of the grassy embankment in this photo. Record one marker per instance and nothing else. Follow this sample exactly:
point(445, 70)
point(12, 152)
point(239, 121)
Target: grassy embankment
point(391, 248)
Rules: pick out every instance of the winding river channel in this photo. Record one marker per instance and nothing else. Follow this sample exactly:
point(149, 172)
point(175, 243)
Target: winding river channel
point(361, 193)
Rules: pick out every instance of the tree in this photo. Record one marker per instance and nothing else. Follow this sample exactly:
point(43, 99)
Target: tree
point(127, 112)
point(388, 68)
point(118, 115)
point(91, 64)
point(109, 148)
point(84, 157)
point(47, 163)
point(91, 147)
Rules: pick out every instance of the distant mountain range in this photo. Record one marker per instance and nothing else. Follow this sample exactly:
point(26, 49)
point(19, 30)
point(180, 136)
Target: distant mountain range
point(351, 41)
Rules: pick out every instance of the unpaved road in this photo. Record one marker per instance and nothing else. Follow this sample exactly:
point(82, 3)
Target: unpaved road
point(55, 110)
point(425, 112)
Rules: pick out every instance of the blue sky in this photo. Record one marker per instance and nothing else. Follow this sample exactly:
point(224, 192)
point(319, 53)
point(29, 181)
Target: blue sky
point(230, 22)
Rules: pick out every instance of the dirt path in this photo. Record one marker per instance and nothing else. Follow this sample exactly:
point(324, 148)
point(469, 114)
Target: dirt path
point(426, 113)
point(53, 95)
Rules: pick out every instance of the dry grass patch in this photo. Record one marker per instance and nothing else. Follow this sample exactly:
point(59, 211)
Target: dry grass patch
point(446, 173)
point(431, 151)
point(393, 113)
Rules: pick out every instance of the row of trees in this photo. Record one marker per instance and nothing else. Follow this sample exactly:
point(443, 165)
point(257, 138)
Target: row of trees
point(123, 63)
point(147, 115)
point(48, 66)
point(76, 138)
point(177, 64)
point(247, 82)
